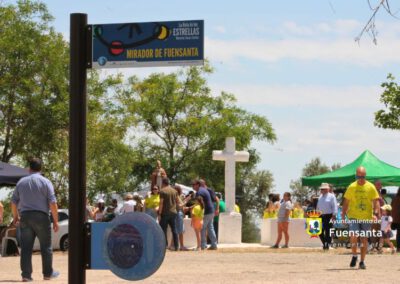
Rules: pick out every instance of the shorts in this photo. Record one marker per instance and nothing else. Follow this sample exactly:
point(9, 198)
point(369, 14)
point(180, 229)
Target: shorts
point(197, 223)
point(151, 212)
point(387, 235)
point(283, 219)
point(180, 228)
point(359, 226)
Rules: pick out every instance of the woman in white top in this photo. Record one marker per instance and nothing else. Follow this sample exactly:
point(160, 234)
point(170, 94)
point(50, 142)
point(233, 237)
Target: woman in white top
point(98, 212)
point(129, 204)
point(283, 220)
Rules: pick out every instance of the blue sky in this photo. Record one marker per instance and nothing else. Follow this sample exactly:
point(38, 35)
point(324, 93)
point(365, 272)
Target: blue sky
point(295, 62)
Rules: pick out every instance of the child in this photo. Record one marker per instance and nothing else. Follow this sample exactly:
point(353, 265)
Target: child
point(283, 220)
point(269, 207)
point(197, 219)
point(298, 211)
point(386, 222)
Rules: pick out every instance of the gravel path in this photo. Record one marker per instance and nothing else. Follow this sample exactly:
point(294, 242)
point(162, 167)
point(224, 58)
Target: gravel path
point(237, 265)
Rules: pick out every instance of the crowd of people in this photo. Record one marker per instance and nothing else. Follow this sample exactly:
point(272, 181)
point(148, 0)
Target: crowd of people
point(363, 207)
point(168, 205)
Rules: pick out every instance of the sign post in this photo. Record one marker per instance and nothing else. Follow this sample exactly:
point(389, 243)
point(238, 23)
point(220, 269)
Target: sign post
point(77, 149)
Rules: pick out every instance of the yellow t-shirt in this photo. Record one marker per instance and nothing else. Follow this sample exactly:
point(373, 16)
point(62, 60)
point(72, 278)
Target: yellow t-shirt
point(198, 212)
point(270, 214)
point(360, 199)
point(298, 213)
point(237, 208)
point(152, 201)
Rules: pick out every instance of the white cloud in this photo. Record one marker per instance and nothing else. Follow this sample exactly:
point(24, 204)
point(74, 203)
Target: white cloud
point(332, 42)
point(303, 95)
point(331, 51)
point(339, 27)
point(296, 29)
point(220, 29)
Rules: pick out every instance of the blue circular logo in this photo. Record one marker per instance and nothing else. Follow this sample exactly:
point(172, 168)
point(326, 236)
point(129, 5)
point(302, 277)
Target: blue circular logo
point(134, 246)
point(125, 246)
point(102, 61)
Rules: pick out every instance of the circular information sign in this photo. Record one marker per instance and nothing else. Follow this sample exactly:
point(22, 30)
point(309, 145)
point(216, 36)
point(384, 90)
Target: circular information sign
point(134, 246)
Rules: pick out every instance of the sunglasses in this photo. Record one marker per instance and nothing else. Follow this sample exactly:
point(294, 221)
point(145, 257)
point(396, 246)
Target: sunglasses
point(360, 177)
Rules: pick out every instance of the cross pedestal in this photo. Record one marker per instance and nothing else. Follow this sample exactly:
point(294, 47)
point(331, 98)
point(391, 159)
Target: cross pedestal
point(230, 222)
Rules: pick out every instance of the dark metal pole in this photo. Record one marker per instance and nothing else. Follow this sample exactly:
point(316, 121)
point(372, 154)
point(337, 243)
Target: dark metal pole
point(77, 149)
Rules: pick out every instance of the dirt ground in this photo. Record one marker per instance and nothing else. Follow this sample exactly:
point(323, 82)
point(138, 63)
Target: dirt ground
point(237, 265)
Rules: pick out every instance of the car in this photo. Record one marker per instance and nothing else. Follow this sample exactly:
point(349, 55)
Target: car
point(60, 239)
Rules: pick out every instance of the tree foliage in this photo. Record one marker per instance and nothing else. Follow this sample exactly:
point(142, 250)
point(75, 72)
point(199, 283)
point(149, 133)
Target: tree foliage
point(389, 117)
point(34, 105)
point(252, 193)
point(314, 167)
point(33, 82)
point(179, 122)
point(109, 158)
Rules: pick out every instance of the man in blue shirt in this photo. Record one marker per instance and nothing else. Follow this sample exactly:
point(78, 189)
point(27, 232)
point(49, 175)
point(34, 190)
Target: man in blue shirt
point(30, 204)
point(208, 216)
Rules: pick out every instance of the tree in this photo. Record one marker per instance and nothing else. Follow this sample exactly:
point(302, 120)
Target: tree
point(370, 27)
point(180, 123)
point(33, 82)
point(34, 105)
point(252, 194)
point(109, 158)
point(389, 118)
point(314, 167)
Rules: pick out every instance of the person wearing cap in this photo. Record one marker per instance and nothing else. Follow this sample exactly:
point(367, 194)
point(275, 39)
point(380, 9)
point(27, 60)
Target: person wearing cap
point(386, 222)
point(361, 204)
point(327, 204)
point(128, 205)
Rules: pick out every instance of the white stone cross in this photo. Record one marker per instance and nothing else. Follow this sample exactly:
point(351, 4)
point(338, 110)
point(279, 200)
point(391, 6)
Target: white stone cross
point(230, 156)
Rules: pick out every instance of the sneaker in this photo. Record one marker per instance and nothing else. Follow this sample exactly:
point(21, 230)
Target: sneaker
point(275, 247)
point(212, 248)
point(184, 249)
point(26, 279)
point(353, 261)
point(53, 275)
point(362, 265)
point(285, 246)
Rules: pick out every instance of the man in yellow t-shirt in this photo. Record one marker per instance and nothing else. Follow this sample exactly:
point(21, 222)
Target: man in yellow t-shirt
point(361, 204)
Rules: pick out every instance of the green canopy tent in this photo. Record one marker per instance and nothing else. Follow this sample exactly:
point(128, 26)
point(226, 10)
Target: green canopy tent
point(376, 169)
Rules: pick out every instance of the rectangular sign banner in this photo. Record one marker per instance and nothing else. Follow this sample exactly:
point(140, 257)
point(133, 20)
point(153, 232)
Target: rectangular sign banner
point(176, 43)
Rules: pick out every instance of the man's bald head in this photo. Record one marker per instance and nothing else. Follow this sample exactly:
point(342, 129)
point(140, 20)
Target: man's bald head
point(360, 175)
